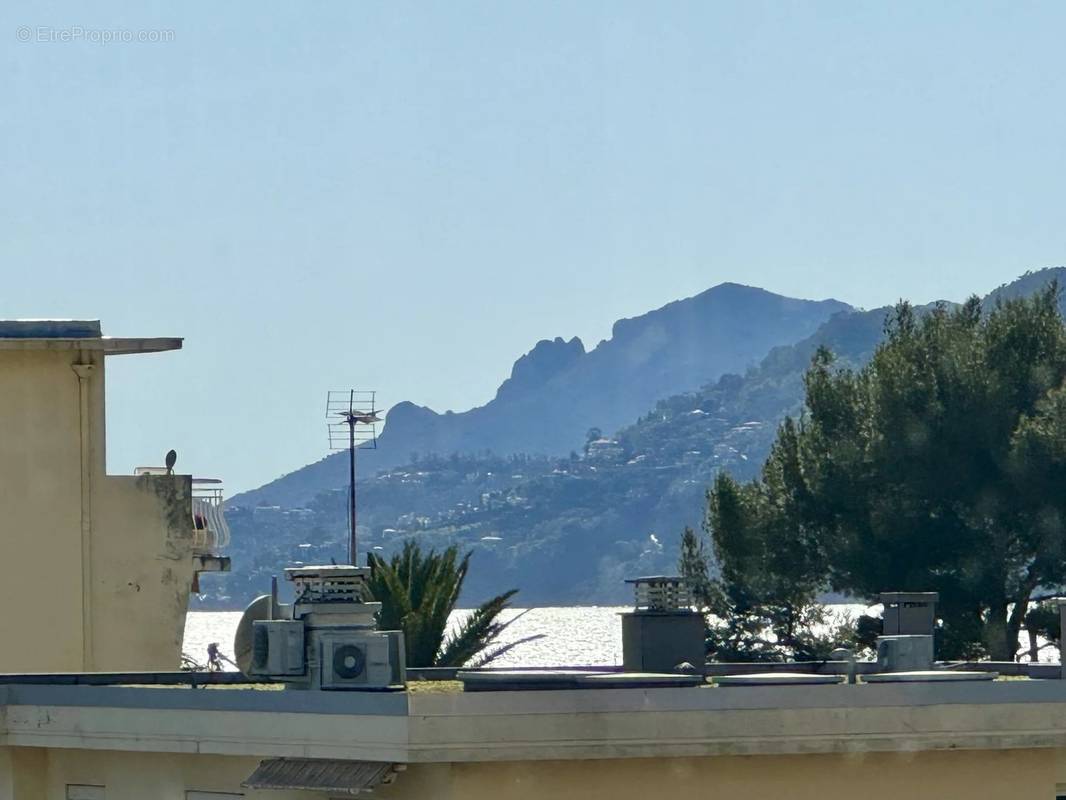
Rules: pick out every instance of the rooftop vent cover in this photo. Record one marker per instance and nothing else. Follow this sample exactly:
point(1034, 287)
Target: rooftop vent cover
point(661, 593)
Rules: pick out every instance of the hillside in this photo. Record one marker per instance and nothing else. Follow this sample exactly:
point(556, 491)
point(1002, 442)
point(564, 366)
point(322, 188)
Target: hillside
point(557, 391)
point(566, 530)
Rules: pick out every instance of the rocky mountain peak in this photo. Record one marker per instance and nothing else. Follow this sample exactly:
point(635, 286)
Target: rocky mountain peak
point(548, 358)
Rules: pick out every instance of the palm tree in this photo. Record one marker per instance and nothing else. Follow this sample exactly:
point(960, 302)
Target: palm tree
point(418, 593)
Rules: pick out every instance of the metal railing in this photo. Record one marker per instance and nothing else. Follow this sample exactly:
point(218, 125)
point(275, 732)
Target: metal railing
point(210, 531)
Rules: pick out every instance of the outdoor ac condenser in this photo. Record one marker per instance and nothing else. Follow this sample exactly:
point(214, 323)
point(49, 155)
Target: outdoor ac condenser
point(360, 659)
point(326, 639)
point(278, 648)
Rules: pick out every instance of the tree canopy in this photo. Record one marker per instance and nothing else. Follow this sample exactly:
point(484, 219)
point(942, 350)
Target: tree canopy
point(939, 466)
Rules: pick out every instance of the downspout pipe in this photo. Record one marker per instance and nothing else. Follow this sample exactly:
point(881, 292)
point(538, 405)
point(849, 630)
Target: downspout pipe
point(84, 371)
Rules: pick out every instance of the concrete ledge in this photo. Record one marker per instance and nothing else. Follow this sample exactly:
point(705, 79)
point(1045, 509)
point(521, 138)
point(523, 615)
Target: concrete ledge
point(109, 345)
point(766, 697)
point(517, 726)
point(842, 719)
point(370, 726)
point(252, 701)
point(209, 562)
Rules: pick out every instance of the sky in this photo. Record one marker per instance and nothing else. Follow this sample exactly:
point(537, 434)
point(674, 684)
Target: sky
point(408, 196)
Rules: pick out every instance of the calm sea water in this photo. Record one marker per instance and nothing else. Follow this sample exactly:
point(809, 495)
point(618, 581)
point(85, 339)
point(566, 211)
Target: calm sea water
point(577, 635)
point(569, 635)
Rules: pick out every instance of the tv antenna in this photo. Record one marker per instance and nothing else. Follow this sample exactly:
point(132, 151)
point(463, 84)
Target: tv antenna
point(352, 416)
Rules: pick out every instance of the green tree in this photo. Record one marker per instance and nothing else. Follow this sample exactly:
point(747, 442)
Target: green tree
point(418, 592)
point(938, 466)
point(762, 605)
point(694, 567)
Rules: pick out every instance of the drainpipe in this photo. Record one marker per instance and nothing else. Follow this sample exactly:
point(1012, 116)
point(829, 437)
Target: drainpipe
point(83, 371)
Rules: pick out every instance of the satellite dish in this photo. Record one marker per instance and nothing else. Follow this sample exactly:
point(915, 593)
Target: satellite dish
point(172, 459)
point(244, 639)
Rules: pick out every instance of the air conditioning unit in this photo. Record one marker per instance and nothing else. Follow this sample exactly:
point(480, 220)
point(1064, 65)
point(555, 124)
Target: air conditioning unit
point(360, 659)
point(326, 639)
point(277, 648)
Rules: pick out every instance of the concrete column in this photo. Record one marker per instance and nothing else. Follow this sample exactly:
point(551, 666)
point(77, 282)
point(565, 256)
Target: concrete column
point(84, 371)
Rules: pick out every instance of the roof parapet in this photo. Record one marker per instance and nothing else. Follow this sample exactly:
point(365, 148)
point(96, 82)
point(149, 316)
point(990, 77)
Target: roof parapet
point(50, 329)
point(73, 334)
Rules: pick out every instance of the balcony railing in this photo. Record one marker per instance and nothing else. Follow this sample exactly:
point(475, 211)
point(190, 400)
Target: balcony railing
point(209, 528)
point(210, 531)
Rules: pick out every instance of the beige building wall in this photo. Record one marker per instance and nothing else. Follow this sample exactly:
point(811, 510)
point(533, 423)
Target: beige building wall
point(40, 512)
point(142, 567)
point(97, 569)
point(929, 775)
point(23, 773)
point(136, 776)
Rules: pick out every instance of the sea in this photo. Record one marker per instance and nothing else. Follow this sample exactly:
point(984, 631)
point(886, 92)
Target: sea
point(556, 635)
point(570, 635)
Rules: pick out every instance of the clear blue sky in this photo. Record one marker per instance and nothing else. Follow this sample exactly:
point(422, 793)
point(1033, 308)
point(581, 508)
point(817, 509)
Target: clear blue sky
point(408, 196)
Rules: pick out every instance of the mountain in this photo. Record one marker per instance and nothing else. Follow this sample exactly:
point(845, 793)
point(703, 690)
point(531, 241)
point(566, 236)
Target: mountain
point(557, 391)
point(1029, 283)
point(566, 530)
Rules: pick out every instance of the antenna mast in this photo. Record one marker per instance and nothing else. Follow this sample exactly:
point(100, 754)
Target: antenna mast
point(352, 423)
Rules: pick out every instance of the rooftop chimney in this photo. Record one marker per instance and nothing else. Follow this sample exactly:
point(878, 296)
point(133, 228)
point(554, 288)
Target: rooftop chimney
point(909, 613)
point(907, 641)
point(662, 632)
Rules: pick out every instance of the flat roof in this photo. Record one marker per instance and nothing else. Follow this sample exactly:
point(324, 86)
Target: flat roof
point(75, 334)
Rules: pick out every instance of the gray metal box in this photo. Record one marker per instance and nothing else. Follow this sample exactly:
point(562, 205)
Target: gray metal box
point(909, 613)
point(278, 647)
point(360, 659)
point(904, 653)
point(659, 641)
